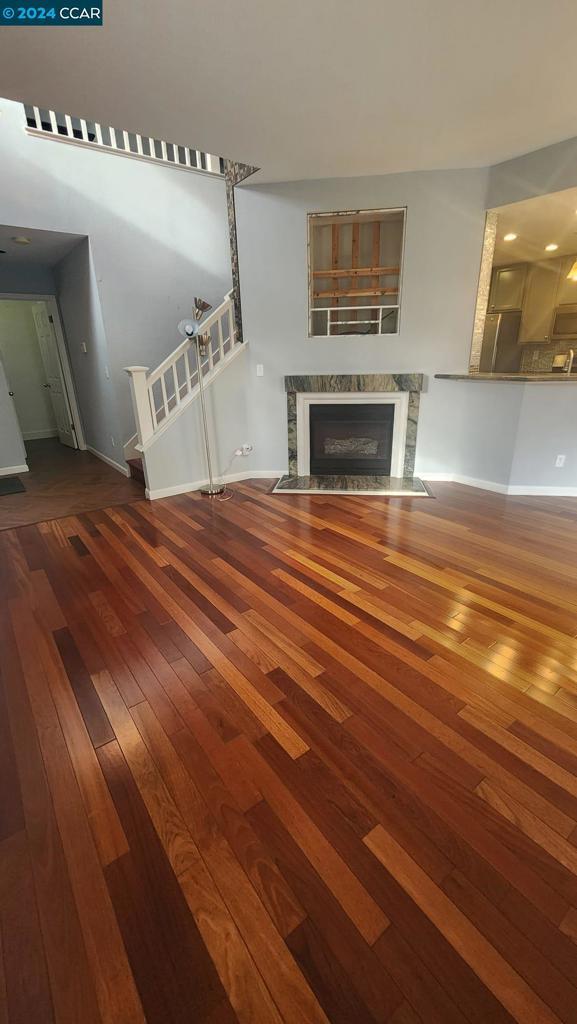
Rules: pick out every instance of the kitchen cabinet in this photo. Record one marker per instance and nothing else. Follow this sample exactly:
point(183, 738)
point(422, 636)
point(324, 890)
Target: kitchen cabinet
point(507, 288)
point(539, 302)
point(566, 290)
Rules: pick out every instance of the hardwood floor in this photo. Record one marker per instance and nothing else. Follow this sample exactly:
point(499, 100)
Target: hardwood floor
point(290, 759)
point(63, 482)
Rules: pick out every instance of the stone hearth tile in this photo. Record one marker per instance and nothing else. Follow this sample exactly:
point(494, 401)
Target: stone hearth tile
point(292, 431)
point(385, 485)
point(411, 439)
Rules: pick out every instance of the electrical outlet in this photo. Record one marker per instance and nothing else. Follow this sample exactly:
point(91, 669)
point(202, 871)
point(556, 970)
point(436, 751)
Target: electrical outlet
point(107, 373)
point(113, 442)
point(559, 461)
point(259, 370)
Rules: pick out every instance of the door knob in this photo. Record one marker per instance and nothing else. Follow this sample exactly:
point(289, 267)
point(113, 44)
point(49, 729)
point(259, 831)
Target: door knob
point(11, 393)
point(46, 385)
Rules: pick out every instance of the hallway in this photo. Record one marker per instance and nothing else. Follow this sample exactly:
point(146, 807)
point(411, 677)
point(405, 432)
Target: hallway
point(63, 482)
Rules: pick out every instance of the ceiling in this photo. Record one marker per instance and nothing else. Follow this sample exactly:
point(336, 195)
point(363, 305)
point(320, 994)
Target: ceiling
point(46, 247)
point(315, 88)
point(537, 222)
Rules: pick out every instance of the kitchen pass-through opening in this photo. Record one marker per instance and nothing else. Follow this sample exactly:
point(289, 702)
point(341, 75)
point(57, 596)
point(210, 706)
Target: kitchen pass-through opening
point(351, 439)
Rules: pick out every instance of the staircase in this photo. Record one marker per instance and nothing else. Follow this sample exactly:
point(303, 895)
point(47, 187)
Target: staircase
point(136, 468)
point(160, 396)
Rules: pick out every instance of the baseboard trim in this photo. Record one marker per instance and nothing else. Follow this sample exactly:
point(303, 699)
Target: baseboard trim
point(544, 492)
point(514, 490)
point(37, 435)
point(130, 450)
point(468, 481)
point(14, 470)
point(109, 462)
point(230, 478)
point(518, 490)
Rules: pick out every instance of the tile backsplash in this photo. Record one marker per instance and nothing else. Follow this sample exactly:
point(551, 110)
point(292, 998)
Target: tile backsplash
point(539, 358)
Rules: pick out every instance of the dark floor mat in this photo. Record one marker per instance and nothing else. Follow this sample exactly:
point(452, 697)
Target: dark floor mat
point(11, 485)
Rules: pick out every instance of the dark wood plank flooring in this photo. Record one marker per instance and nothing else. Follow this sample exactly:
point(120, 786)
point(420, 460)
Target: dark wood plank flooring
point(63, 482)
point(290, 759)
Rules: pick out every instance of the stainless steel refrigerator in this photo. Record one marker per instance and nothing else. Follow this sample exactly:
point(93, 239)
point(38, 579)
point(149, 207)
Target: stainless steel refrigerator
point(500, 351)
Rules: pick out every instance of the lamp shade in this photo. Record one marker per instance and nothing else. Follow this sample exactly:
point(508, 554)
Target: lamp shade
point(572, 275)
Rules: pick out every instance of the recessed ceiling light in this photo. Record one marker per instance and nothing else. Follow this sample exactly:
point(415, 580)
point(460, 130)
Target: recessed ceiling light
point(510, 237)
point(21, 240)
point(551, 247)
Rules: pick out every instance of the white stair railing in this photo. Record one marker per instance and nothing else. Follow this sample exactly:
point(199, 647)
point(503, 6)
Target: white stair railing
point(158, 397)
point(65, 128)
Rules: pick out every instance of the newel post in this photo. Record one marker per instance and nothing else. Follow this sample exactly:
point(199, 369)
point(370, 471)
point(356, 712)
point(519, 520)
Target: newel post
point(232, 314)
point(140, 402)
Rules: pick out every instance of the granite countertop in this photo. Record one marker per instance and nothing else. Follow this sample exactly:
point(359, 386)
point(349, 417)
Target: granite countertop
point(517, 378)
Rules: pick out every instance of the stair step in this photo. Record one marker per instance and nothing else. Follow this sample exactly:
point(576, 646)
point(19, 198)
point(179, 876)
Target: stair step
point(136, 470)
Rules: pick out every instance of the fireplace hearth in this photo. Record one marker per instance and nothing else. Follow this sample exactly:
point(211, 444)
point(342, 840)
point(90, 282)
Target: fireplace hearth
point(354, 439)
point(352, 432)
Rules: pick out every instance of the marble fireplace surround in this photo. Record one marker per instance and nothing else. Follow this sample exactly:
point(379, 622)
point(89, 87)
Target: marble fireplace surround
point(384, 387)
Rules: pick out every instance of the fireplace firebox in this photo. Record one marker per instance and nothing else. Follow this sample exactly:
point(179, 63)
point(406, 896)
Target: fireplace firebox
point(352, 439)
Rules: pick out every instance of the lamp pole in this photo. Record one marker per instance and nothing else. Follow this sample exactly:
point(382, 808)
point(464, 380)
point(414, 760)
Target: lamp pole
point(191, 329)
point(213, 489)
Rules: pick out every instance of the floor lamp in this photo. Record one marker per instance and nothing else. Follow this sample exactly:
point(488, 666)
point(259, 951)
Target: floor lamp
point(192, 329)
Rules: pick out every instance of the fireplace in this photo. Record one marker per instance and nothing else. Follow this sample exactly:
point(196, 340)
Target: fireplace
point(354, 439)
point(367, 427)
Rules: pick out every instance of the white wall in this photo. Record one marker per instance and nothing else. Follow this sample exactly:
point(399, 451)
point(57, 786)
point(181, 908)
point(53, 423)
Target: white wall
point(495, 434)
point(158, 237)
point(20, 353)
point(177, 459)
point(25, 278)
point(480, 430)
point(444, 232)
point(550, 169)
point(547, 428)
point(81, 312)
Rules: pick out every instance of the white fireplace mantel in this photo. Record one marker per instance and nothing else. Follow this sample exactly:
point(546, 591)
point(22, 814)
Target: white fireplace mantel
point(399, 399)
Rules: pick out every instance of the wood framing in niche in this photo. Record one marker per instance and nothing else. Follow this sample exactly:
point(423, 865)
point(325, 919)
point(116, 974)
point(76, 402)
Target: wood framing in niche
point(355, 262)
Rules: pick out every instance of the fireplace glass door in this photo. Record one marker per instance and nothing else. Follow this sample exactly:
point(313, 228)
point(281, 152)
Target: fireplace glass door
point(351, 439)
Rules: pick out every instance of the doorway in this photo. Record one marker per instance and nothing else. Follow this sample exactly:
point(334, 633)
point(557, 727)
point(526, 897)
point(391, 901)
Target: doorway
point(37, 370)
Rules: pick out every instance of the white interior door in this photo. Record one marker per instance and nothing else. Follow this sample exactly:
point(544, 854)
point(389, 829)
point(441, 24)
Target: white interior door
point(54, 376)
point(11, 443)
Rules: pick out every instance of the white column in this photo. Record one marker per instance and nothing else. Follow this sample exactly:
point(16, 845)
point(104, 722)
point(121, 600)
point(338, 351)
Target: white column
point(140, 402)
